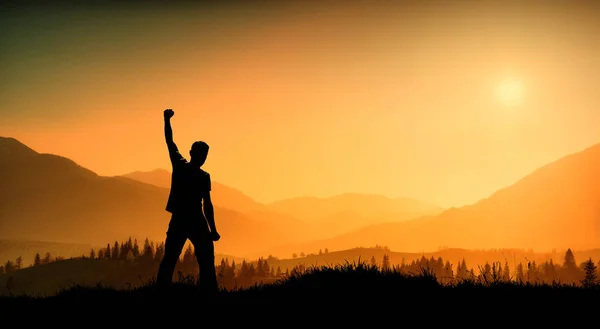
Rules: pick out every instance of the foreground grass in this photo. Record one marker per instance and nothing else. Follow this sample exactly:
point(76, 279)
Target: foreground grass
point(350, 283)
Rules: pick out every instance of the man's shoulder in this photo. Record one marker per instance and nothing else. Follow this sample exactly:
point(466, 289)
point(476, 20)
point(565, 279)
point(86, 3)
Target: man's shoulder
point(204, 172)
point(177, 158)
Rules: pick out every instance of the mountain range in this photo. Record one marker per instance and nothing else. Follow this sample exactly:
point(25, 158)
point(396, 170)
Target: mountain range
point(554, 207)
point(51, 198)
point(324, 217)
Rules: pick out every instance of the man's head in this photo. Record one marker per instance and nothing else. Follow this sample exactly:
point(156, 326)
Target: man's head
point(199, 152)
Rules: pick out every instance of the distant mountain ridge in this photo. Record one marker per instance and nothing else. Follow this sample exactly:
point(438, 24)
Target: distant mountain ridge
point(10, 147)
point(234, 198)
point(335, 214)
point(555, 206)
point(48, 197)
point(366, 205)
point(52, 198)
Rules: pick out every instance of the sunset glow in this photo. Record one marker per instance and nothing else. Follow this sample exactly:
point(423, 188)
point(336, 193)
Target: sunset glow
point(403, 128)
point(294, 100)
point(510, 92)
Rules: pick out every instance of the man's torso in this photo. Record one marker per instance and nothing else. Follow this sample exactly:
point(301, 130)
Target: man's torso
point(188, 187)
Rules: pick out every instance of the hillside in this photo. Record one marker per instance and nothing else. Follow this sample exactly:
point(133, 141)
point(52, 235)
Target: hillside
point(122, 274)
point(473, 258)
point(556, 206)
point(47, 279)
point(222, 195)
point(345, 285)
point(322, 217)
point(51, 198)
point(26, 249)
point(362, 205)
point(48, 197)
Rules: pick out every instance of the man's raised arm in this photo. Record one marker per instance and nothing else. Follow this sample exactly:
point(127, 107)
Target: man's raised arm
point(168, 130)
point(173, 151)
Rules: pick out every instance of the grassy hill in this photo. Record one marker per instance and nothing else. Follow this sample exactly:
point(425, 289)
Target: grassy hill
point(47, 279)
point(331, 286)
point(454, 256)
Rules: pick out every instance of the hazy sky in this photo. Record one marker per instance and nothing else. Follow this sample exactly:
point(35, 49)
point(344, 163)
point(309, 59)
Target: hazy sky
point(438, 100)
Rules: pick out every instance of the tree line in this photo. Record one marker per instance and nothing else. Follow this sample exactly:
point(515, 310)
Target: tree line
point(143, 261)
point(568, 272)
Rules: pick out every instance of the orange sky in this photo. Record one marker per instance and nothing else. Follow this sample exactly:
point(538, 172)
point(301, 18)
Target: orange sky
point(395, 98)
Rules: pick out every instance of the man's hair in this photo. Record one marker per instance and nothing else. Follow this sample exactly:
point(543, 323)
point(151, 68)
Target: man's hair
point(200, 146)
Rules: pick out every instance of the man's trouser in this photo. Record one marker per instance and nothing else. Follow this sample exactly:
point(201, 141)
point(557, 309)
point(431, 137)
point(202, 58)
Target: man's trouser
point(196, 230)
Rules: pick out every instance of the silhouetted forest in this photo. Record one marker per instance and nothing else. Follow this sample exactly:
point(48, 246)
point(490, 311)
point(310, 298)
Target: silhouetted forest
point(138, 264)
point(141, 263)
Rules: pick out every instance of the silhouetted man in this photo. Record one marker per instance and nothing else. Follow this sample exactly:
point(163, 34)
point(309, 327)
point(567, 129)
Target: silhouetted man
point(192, 214)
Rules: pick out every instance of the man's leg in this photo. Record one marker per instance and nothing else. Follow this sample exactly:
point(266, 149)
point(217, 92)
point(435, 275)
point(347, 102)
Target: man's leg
point(205, 254)
point(173, 246)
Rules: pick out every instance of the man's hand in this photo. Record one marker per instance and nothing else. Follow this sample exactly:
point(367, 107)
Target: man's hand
point(215, 236)
point(169, 113)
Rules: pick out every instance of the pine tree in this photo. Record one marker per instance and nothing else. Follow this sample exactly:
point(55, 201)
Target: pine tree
point(266, 270)
point(591, 278)
point(135, 249)
point(519, 274)
point(373, 261)
point(188, 258)
point(47, 258)
point(37, 260)
point(569, 262)
point(532, 272)
point(160, 252)
point(19, 263)
point(9, 267)
point(222, 270)
point(107, 252)
point(506, 272)
point(232, 269)
point(115, 251)
point(448, 273)
point(385, 263)
point(124, 250)
point(259, 267)
point(148, 252)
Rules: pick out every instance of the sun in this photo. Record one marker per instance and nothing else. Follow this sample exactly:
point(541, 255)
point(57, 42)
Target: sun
point(510, 92)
